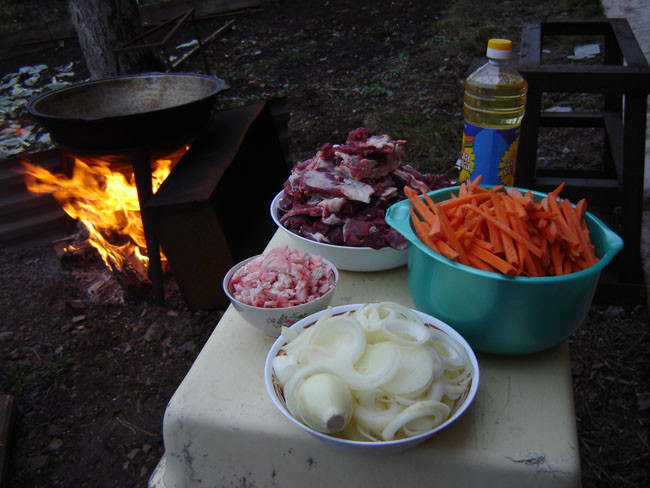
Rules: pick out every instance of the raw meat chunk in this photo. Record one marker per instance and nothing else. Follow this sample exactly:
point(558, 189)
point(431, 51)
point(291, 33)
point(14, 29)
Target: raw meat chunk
point(340, 195)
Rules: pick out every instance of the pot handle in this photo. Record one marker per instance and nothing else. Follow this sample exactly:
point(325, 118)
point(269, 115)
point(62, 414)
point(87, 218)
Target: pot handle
point(399, 218)
point(612, 242)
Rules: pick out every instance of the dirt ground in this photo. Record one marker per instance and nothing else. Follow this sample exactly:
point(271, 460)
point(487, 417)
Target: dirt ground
point(91, 370)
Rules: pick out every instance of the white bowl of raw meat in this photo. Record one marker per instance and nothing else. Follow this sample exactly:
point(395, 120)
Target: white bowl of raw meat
point(344, 257)
point(278, 288)
point(371, 378)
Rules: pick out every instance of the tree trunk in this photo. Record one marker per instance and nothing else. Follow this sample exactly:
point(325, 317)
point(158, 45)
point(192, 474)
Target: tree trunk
point(104, 25)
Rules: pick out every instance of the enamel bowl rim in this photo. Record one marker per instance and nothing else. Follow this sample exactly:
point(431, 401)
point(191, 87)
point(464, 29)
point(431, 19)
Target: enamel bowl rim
point(368, 446)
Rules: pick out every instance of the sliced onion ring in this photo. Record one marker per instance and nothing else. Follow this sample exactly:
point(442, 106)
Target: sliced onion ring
point(439, 411)
point(406, 332)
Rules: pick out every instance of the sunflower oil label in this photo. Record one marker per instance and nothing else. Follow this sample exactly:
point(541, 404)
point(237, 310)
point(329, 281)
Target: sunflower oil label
point(489, 152)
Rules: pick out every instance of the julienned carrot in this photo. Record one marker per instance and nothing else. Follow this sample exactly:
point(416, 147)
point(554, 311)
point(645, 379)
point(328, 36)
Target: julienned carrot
point(419, 206)
point(450, 234)
point(502, 230)
point(562, 225)
point(493, 260)
point(507, 230)
point(446, 250)
point(456, 202)
point(422, 231)
point(435, 224)
point(575, 218)
point(506, 238)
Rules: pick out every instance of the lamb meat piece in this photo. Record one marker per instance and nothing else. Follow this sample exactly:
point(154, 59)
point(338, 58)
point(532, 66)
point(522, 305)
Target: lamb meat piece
point(373, 233)
point(340, 195)
point(335, 185)
point(329, 184)
point(422, 183)
point(395, 240)
point(325, 209)
point(367, 156)
point(316, 230)
point(357, 232)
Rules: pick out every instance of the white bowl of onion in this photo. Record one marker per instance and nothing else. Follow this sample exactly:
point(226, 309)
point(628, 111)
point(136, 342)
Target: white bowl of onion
point(372, 378)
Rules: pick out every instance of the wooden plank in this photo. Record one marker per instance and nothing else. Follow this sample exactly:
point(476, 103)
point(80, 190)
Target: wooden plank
point(615, 131)
point(562, 26)
point(6, 421)
point(531, 44)
point(586, 78)
point(628, 44)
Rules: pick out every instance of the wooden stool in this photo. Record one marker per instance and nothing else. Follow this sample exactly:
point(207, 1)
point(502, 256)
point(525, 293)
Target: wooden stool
point(624, 80)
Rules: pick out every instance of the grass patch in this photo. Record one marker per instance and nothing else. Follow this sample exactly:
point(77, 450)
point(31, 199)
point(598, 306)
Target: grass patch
point(19, 379)
point(431, 141)
point(384, 82)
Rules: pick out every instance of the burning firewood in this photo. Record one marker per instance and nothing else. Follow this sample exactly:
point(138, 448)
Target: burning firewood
point(131, 281)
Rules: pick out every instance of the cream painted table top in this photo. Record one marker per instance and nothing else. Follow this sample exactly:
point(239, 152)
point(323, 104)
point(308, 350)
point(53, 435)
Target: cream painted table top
point(221, 429)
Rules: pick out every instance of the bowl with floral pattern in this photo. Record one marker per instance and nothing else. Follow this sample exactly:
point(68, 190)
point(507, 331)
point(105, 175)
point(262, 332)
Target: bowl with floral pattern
point(280, 287)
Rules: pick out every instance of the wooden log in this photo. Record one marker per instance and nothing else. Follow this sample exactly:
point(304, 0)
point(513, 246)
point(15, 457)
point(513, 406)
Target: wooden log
point(132, 282)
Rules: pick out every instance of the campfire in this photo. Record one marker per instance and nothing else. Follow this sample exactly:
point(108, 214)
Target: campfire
point(190, 204)
point(101, 195)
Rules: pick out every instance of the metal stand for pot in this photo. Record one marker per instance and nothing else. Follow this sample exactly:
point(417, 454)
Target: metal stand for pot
point(140, 158)
point(141, 162)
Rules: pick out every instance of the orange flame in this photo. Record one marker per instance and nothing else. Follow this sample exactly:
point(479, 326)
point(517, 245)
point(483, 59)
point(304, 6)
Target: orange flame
point(105, 201)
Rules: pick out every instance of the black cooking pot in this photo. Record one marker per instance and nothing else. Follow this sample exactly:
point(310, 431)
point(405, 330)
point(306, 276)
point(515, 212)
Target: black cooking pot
point(127, 112)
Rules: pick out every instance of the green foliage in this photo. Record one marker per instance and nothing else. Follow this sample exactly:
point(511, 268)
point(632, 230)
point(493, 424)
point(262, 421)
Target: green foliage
point(48, 375)
point(384, 82)
point(132, 392)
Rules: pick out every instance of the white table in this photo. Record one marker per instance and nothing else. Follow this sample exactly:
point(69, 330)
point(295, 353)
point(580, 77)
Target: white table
point(221, 429)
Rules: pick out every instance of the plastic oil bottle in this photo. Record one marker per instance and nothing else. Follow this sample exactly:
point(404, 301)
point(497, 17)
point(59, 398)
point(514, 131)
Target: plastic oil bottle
point(493, 107)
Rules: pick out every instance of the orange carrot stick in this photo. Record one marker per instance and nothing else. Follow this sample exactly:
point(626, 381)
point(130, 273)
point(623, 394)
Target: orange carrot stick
point(565, 231)
point(581, 208)
point(450, 234)
point(482, 243)
point(506, 239)
point(494, 236)
point(559, 188)
point(493, 260)
point(473, 185)
point(422, 231)
point(419, 206)
point(556, 258)
point(501, 230)
point(479, 264)
point(577, 224)
point(531, 247)
point(446, 250)
point(456, 202)
point(572, 222)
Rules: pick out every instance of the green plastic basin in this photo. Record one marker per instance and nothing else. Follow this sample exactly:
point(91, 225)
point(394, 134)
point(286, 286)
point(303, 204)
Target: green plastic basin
point(493, 312)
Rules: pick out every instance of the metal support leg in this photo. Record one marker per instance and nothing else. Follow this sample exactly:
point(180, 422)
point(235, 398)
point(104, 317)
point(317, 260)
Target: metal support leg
point(142, 171)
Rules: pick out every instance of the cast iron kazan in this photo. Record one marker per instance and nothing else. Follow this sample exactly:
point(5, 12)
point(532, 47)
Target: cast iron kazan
point(127, 112)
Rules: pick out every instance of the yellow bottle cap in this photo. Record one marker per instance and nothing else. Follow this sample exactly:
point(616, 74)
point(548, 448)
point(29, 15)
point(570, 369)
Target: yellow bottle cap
point(499, 48)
